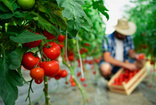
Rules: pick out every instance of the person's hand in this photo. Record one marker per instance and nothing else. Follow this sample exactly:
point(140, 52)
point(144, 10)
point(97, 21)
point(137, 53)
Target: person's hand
point(130, 66)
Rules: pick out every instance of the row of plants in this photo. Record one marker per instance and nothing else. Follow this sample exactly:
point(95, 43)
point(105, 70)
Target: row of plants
point(34, 33)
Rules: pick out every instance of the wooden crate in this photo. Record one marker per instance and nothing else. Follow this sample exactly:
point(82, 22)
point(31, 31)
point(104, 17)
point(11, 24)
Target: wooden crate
point(127, 88)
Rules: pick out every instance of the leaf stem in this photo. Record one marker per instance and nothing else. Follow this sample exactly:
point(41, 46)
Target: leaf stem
point(47, 97)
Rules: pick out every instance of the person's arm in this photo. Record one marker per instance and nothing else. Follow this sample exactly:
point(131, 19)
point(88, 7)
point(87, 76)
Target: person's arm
point(133, 54)
point(108, 58)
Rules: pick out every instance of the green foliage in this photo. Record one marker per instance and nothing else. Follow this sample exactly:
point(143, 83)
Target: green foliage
point(144, 15)
point(9, 78)
point(26, 37)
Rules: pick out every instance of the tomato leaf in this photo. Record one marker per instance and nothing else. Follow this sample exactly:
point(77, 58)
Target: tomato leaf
point(26, 37)
point(73, 11)
point(10, 79)
point(14, 60)
point(8, 4)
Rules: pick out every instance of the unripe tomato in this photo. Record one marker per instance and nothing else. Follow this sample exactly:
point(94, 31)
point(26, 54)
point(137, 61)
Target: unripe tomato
point(51, 68)
point(48, 35)
point(64, 74)
point(53, 51)
point(37, 73)
point(29, 61)
point(61, 38)
point(26, 4)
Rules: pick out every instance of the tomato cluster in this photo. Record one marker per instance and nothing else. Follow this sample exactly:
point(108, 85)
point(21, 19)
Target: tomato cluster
point(125, 77)
point(49, 66)
point(71, 80)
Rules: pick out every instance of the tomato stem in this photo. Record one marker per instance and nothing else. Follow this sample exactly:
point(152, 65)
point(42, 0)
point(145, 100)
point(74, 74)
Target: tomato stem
point(47, 97)
point(30, 89)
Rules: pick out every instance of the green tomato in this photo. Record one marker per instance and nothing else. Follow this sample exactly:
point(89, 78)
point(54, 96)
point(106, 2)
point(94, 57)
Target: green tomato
point(26, 4)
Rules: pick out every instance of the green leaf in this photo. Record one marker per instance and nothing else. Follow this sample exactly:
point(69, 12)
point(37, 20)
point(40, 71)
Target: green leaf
point(26, 37)
point(10, 79)
point(8, 4)
point(14, 60)
point(44, 24)
point(73, 11)
point(3, 8)
point(6, 15)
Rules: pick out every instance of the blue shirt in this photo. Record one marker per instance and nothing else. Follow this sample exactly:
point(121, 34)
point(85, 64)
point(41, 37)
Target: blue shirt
point(109, 45)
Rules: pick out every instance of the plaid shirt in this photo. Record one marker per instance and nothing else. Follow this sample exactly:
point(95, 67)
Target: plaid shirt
point(109, 45)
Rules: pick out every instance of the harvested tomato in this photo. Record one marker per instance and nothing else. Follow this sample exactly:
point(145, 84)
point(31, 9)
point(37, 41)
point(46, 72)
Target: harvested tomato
point(48, 35)
point(53, 51)
point(61, 38)
point(29, 61)
point(64, 73)
point(141, 56)
point(38, 81)
point(51, 68)
point(37, 73)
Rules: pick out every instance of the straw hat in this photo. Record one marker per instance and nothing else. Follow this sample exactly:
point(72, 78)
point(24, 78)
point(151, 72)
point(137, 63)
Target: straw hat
point(125, 27)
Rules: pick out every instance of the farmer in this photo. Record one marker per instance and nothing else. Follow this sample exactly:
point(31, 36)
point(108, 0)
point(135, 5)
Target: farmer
point(117, 48)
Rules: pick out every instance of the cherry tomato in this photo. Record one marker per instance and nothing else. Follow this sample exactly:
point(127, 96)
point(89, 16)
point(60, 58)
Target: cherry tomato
point(61, 38)
point(48, 35)
point(64, 74)
point(85, 85)
point(29, 61)
point(66, 83)
point(50, 68)
point(26, 4)
point(37, 73)
point(94, 72)
point(78, 74)
point(82, 79)
point(73, 84)
point(53, 51)
point(38, 81)
point(70, 57)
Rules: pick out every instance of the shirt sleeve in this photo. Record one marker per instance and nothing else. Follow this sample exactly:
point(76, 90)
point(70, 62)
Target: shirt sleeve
point(106, 44)
point(131, 44)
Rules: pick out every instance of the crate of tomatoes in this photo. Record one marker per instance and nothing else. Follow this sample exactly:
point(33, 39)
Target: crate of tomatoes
point(125, 81)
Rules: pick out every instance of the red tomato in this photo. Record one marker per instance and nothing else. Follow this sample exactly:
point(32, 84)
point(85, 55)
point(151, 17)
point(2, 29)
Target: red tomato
point(70, 53)
point(85, 50)
point(94, 72)
point(84, 84)
point(66, 83)
point(57, 77)
point(87, 44)
point(61, 38)
point(141, 56)
point(70, 57)
point(58, 73)
point(29, 60)
point(50, 68)
point(64, 73)
point(48, 35)
point(37, 73)
point(82, 79)
point(38, 81)
point(73, 84)
point(61, 44)
point(78, 74)
point(71, 79)
point(53, 51)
